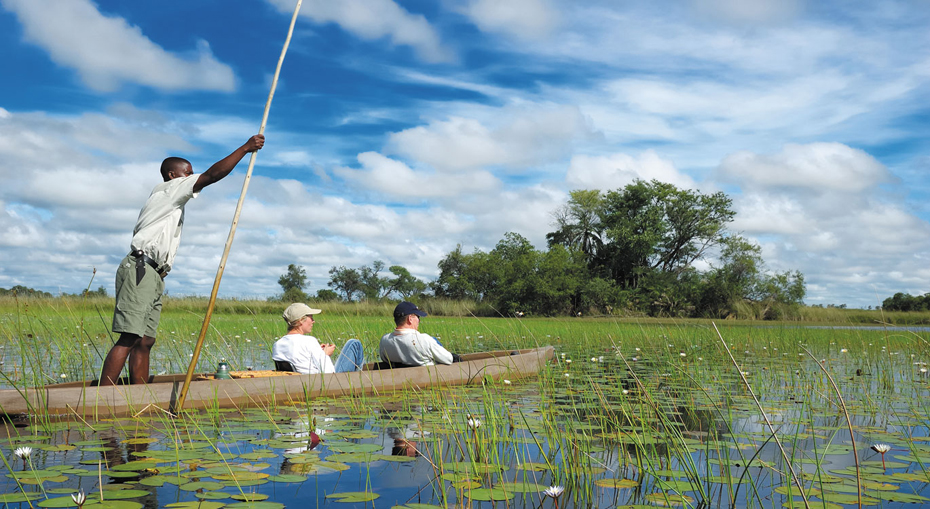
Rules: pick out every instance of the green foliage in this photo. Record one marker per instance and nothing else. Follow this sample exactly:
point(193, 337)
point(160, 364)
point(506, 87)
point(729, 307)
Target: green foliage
point(293, 283)
point(656, 226)
point(326, 295)
point(367, 284)
point(630, 250)
point(22, 291)
point(404, 284)
point(907, 302)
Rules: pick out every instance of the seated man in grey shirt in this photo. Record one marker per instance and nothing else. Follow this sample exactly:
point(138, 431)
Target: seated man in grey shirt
point(407, 346)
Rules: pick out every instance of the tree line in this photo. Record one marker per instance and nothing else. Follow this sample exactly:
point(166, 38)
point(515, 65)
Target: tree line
point(907, 302)
point(634, 249)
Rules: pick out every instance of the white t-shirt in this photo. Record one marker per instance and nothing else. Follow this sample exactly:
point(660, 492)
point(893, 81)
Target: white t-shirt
point(304, 353)
point(409, 346)
point(158, 229)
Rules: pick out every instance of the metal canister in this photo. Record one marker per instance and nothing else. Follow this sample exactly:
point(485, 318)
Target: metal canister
point(222, 371)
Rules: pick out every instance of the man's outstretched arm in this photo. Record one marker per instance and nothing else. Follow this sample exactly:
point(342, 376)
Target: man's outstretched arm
point(225, 165)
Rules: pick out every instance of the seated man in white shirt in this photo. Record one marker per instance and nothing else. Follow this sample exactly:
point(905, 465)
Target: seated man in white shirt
point(305, 353)
point(406, 346)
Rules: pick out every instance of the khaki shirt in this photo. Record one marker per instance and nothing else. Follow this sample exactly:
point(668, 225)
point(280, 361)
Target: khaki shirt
point(158, 229)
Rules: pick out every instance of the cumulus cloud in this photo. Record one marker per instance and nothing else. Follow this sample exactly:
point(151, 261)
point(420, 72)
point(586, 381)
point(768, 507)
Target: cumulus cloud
point(519, 138)
point(527, 19)
point(107, 51)
point(617, 170)
point(817, 166)
point(819, 208)
point(375, 19)
point(397, 179)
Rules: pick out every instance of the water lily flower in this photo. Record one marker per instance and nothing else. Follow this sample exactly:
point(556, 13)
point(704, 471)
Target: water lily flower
point(79, 498)
point(843, 350)
point(23, 453)
point(568, 375)
point(507, 382)
point(64, 375)
point(553, 491)
point(474, 422)
point(881, 449)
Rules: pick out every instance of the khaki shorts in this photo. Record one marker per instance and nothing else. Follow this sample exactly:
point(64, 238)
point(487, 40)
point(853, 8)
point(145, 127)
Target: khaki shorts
point(138, 307)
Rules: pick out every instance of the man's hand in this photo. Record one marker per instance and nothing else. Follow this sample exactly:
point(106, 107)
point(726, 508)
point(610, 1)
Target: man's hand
point(255, 143)
point(328, 348)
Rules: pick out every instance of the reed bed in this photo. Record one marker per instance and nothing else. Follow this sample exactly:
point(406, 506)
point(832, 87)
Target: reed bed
point(630, 413)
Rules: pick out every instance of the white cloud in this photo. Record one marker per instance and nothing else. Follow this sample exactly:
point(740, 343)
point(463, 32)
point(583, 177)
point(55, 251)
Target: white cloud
point(617, 170)
point(528, 19)
point(395, 178)
point(522, 137)
point(819, 208)
point(817, 167)
point(107, 51)
point(754, 12)
point(373, 20)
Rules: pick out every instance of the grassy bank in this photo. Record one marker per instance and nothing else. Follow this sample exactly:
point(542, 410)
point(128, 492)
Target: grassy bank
point(103, 307)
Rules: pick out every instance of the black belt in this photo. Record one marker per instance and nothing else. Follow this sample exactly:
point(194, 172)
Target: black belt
point(143, 259)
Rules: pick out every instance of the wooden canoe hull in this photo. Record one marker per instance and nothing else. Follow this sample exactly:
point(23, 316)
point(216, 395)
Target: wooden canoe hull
point(85, 401)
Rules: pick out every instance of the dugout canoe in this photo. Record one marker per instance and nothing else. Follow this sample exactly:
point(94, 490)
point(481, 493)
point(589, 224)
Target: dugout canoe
point(86, 400)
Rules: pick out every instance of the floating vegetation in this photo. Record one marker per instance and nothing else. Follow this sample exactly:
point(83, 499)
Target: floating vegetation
point(650, 416)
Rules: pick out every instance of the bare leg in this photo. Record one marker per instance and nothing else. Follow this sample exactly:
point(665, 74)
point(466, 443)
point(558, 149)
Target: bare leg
point(113, 364)
point(131, 346)
point(139, 360)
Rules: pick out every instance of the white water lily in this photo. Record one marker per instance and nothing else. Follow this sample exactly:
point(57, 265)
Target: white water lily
point(553, 491)
point(23, 453)
point(880, 448)
point(507, 382)
point(474, 422)
point(79, 498)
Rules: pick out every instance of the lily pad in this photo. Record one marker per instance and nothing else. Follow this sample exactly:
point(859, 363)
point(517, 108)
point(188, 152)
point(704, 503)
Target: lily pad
point(249, 497)
point(616, 483)
point(488, 494)
point(288, 478)
point(353, 496)
point(15, 498)
point(195, 505)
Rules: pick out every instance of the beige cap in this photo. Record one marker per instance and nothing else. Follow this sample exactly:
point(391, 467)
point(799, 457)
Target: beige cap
point(298, 310)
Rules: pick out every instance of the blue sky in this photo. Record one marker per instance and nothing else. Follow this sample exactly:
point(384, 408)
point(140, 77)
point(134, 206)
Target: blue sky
point(401, 129)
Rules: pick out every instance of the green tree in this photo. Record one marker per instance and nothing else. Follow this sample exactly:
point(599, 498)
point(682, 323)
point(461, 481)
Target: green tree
point(453, 281)
point(404, 283)
point(326, 295)
point(654, 226)
point(373, 285)
point(578, 223)
point(346, 281)
point(293, 283)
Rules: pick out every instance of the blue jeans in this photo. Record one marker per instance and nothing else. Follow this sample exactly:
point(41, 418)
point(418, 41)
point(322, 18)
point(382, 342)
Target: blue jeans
point(351, 358)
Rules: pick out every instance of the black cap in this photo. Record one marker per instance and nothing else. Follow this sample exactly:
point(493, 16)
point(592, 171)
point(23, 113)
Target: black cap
point(408, 308)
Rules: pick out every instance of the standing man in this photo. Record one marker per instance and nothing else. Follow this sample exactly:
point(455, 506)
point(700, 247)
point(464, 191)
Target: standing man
point(305, 353)
point(407, 346)
point(155, 239)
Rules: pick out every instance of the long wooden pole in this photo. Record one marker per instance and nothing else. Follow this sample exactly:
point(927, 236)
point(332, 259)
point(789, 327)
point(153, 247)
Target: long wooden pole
point(235, 222)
